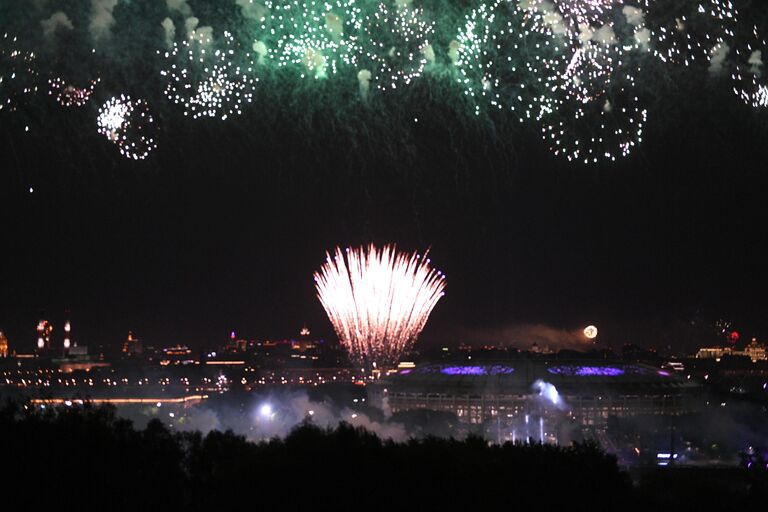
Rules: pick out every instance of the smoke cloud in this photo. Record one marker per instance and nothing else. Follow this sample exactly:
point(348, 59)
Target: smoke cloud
point(525, 336)
point(719, 54)
point(251, 10)
point(180, 6)
point(102, 18)
point(605, 35)
point(276, 414)
point(170, 31)
point(58, 20)
point(634, 15)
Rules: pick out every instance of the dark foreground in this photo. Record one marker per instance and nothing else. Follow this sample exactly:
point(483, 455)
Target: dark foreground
point(89, 458)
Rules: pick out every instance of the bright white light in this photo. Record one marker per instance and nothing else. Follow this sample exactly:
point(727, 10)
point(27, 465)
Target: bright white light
point(549, 392)
point(266, 411)
point(590, 332)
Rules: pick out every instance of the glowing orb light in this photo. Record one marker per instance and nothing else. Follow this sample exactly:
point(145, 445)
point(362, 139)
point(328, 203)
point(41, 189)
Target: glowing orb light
point(590, 332)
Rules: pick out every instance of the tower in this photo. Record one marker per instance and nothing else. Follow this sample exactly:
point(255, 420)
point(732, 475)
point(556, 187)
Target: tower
point(44, 335)
point(67, 334)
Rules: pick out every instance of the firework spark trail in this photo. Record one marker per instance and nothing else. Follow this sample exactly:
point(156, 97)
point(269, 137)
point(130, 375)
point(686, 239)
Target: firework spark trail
point(315, 35)
point(392, 43)
point(68, 95)
point(569, 67)
point(207, 81)
point(506, 59)
point(749, 74)
point(129, 124)
point(686, 32)
point(18, 75)
point(378, 300)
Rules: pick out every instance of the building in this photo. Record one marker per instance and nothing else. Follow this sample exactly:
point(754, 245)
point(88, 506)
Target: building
point(511, 393)
point(3, 345)
point(754, 350)
point(132, 346)
point(44, 335)
point(713, 352)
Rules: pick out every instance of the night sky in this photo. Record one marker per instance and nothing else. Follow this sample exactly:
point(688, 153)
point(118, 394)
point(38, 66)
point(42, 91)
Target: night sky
point(224, 225)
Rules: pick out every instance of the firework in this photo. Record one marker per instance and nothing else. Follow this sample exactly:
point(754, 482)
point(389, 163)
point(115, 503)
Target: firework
point(316, 36)
point(684, 32)
point(506, 63)
point(603, 129)
point(208, 81)
point(569, 18)
point(68, 95)
point(129, 124)
point(600, 37)
point(378, 300)
point(391, 43)
point(750, 83)
point(18, 75)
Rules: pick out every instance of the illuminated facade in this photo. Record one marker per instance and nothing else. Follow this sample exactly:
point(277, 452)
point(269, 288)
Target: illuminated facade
point(132, 346)
point(3, 345)
point(754, 350)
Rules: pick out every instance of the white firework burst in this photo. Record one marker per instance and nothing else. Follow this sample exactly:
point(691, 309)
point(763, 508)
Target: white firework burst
point(378, 300)
point(209, 81)
point(129, 124)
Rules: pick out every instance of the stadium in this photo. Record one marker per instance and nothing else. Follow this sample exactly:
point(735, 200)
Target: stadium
point(524, 395)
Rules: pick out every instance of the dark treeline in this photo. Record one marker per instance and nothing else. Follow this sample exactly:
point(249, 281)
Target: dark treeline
point(88, 457)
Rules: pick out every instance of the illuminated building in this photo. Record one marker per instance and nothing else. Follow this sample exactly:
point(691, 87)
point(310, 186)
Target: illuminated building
point(132, 346)
point(44, 334)
point(713, 352)
point(234, 345)
point(67, 337)
point(3, 345)
point(178, 354)
point(304, 343)
point(754, 350)
point(590, 393)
